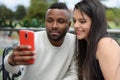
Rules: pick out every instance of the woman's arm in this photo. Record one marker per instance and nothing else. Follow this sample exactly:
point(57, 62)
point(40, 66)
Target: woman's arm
point(108, 55)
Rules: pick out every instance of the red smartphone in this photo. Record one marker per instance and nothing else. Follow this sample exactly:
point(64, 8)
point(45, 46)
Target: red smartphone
point(26, 37)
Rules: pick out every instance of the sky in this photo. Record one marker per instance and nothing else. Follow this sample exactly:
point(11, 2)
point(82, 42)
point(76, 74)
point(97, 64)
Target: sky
point(108, 3)
point(12, 4)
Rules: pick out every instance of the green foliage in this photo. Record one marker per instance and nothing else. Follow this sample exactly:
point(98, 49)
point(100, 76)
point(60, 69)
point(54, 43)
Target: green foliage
point(38, 9)
point(110, 14)
point(20, 12)
point(2, 22)
point(113, 17)
point(33, 16)
point(5, 12)
point(33, 23)
point(10, 15)
point(5, 23)
point(117, 17)
point(112, 25)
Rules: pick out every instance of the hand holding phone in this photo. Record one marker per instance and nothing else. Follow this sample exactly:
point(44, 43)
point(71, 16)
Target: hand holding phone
point(26, 37)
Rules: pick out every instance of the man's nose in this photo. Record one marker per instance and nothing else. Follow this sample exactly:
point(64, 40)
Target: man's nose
point(54, 24)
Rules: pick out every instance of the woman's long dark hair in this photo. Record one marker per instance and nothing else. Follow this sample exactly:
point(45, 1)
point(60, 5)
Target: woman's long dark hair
point(88, 67)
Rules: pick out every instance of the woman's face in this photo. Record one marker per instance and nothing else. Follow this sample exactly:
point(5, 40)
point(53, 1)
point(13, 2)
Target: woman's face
point(82, 24)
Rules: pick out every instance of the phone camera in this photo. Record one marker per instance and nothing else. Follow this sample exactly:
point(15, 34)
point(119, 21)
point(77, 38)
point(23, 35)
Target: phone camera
point(26, 35)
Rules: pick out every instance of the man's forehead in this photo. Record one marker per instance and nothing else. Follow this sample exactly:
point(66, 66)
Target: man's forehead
point(58, 13)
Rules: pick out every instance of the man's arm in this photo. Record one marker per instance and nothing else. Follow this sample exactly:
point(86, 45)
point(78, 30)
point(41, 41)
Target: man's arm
point(18, 57)
point(72, 71)
point(10, 68)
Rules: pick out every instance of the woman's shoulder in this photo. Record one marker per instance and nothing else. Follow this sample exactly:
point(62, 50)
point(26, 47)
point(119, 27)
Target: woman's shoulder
point(107, 46)
point(108, 55)
point(107, 41)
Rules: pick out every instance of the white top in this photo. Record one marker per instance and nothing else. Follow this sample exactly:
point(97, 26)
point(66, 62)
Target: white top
point(51, 63)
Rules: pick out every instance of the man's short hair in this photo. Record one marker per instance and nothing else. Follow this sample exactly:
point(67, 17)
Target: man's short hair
point(58, 5)
point(61, 5)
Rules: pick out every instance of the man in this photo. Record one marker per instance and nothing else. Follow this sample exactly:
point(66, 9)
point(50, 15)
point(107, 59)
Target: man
point(54, 50)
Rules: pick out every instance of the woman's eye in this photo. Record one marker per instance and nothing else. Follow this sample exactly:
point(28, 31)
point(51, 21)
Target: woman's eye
point(83, 21)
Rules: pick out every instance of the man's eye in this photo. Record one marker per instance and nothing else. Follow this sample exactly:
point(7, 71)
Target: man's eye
point(61, 21)
point(49, 20)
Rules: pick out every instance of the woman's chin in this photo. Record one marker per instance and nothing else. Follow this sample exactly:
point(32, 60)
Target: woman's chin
point(80, 37)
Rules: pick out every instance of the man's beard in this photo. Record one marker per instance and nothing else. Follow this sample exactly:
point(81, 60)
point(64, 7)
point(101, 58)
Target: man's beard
point(57, 38)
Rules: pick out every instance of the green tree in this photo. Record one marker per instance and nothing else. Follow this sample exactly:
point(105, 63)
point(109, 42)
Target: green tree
point(110, 14)
point(20, 12)
point(5, 12)
point(38, 9)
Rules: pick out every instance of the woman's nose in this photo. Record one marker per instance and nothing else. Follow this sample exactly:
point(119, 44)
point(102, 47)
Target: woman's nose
point(76, 25)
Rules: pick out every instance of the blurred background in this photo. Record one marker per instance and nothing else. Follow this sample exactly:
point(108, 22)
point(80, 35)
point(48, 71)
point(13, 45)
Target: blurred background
point(30, 14)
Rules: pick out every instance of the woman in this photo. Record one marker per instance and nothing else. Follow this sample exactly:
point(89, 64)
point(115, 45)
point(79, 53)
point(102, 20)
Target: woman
point(98, 55)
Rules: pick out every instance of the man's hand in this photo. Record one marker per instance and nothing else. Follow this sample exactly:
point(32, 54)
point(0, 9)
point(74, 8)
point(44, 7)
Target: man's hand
point(21, 55)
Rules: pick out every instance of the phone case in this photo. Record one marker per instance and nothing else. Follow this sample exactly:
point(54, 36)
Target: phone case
point(27, 38)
